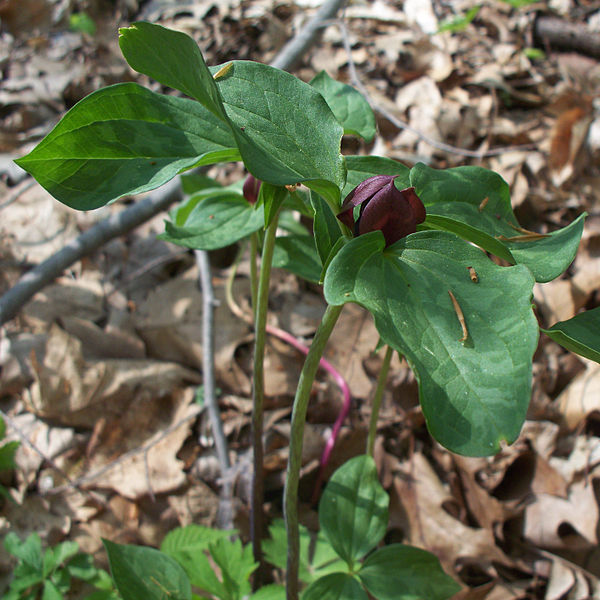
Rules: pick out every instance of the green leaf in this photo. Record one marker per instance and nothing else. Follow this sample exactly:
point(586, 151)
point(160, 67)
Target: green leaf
point(236, 564)
point(271, 197)
point(191, 538)
point(57, 556)
point(188, 546)
point(353, 511)
point(336, 586)
point(474, 393)
point(172, 58)
point(279, 143)
point(7, 455)
point(125, 139)
point(28, 552)
point(142, 573)
point(269, 592)
point(460, 23)
point(474, 203)
point(348, 105)
point(581, 334)
point(326, 227)
point(399, 572)
point(317, 556)
point(297, 254)
point(51, 591)
point(213, 222)
point(362, 167)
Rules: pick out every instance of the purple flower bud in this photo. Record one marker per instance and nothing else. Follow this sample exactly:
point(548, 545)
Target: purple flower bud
point(251, 188)
point(383, 207)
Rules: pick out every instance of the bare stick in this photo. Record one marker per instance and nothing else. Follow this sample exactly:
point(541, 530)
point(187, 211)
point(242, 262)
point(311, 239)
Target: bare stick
point(115, 225)
point(225, 516)
point(297, 46)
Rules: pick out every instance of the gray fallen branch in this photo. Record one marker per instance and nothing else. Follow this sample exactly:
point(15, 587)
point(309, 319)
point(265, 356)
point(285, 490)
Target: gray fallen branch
point(225, 513)
point(95, 237)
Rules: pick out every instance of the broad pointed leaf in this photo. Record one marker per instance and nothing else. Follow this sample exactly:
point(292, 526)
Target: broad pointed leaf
point(399, 572)
point(474, 203)
point(214, 222)
point(297, 254)
point(326, 227)
point(172, 58)
point(284, 129)
point(317, 556)
point(581, 334)
point(336, 586)
point(122, 140)
point(474, 391)
point(142, 573)
point(353, 510)
point(348, 105)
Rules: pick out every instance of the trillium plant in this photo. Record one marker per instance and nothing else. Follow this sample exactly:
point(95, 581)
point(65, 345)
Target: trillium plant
point(436, 256)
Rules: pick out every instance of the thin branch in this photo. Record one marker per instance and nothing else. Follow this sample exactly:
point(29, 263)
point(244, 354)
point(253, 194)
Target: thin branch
point(208, 375)
point(47, 271)
point(307, 36)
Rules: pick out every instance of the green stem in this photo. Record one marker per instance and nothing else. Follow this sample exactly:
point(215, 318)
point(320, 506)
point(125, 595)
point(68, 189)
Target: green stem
point(381, 380)
point(253, 271)
point(290, 502)
point(260, 323)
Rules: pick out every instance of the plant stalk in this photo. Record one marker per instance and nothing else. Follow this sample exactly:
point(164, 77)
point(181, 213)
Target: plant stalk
point(290, 503)
point(381, 380)
point(258, 394)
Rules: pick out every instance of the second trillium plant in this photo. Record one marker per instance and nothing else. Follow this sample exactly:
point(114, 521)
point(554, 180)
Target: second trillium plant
point(410, 245)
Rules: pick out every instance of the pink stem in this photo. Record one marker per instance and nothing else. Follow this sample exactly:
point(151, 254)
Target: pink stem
point(340, 381)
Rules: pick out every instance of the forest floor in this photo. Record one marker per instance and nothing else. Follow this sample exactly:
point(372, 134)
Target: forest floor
point(99, 371)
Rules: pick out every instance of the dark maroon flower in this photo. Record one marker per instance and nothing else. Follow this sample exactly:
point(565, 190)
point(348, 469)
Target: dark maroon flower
point(251, 188)
point(383, 207)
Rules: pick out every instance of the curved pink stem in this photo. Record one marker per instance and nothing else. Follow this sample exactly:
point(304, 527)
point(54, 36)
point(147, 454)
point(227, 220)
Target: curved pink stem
point(344, 388)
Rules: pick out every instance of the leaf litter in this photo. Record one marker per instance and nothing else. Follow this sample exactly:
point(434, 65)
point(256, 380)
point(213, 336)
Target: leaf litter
point(99, 365)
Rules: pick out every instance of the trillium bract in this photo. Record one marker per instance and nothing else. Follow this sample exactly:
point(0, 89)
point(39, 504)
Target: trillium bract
point(383, 207)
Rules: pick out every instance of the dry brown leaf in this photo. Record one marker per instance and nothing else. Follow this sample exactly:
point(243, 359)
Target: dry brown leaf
point(558, 523)
point(197, 505)
point(153, 472)
point(486, 509)
point(74, 392)
point(581, 396)
point(416, 507)
point(170, 322)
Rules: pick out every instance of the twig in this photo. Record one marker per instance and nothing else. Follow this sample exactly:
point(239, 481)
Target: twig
point(33, 281)
point(354, 78)
point(297, 46)
point(208, 375)
point(14, 195)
